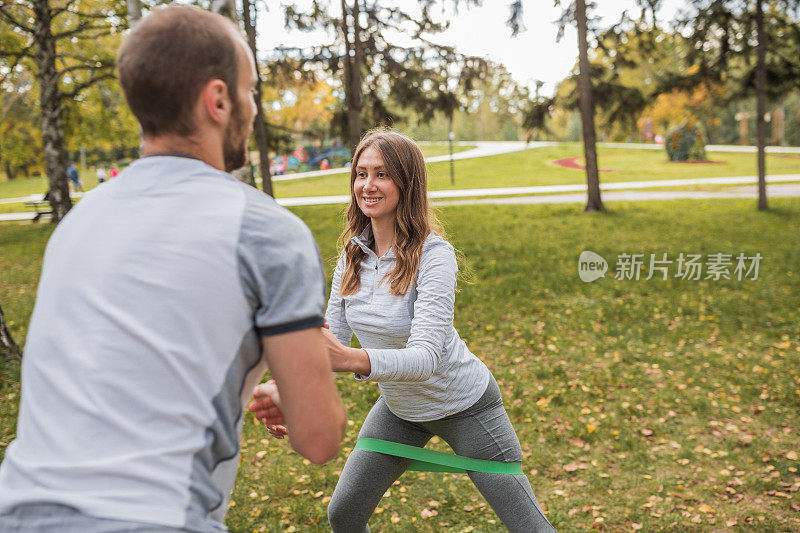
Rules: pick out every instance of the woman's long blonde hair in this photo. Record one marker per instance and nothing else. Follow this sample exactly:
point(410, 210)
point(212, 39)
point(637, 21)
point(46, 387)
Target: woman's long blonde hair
point(414, 219)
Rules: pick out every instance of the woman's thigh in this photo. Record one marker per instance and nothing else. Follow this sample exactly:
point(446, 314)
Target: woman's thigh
point(482, 431)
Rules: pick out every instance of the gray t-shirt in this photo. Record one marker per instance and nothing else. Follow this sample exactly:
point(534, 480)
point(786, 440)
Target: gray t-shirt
point(423, 368)
point(145, 343)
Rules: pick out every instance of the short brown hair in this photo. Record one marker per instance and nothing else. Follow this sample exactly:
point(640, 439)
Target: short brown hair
point(166, 60)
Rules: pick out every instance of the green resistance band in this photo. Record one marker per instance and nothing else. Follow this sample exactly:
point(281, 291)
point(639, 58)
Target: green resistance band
point(432, 461)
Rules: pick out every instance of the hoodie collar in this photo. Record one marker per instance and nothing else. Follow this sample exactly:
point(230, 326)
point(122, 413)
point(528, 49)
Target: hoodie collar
point(365, 240)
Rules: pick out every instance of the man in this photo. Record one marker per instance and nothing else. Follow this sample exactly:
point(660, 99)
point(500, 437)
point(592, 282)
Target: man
point(164, 295)
point(72, 175)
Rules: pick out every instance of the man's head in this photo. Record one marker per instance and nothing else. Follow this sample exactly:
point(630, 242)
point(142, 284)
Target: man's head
point(187, 72)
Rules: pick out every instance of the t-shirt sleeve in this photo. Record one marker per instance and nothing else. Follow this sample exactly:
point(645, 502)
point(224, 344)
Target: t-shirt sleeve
point(280, 269)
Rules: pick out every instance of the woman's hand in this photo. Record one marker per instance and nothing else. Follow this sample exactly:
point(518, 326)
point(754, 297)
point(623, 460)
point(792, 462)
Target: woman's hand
point(266, 406)
point(343, 358)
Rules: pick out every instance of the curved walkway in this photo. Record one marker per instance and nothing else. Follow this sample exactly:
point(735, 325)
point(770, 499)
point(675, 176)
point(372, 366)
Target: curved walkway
point(552, 191)
point(774, 191)
point(482, 149)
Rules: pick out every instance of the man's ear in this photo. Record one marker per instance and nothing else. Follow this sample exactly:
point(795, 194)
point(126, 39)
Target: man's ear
point(216, 102)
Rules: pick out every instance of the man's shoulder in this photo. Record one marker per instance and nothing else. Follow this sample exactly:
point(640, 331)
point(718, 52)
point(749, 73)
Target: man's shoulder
point(264, 216)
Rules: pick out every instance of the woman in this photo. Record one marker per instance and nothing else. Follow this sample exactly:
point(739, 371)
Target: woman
point(394, 287)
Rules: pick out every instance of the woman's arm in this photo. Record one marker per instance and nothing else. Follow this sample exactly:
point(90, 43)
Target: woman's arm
point(335, 314)
point(433, 320)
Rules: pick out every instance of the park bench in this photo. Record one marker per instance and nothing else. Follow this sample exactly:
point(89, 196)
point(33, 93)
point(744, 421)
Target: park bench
point(42, 206)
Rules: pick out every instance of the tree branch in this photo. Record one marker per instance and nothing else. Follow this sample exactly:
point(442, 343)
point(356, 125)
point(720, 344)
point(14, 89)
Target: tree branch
point(78, 68)
point(21, 53)
point(10, 18)
point(81, 14)
point(79, 29)
point(58, 10)
point(85, 85)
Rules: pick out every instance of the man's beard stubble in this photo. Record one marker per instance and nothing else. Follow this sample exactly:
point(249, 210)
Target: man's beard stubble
point(234, 145)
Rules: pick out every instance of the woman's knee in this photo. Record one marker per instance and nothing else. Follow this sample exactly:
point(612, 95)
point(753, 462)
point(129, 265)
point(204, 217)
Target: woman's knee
point(338, 514)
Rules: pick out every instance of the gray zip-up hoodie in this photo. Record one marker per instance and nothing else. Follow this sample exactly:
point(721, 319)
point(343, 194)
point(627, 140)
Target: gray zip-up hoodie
point(423, 368)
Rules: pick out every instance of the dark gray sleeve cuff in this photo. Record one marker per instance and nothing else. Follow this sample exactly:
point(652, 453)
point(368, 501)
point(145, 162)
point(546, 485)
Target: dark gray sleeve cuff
point(296, 325)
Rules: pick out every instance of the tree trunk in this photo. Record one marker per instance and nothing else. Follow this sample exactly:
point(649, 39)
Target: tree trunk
point(586, 104)
point(348, 72)
point(352, 75)
point(55, 153)
point(761, 105)
point(134, 12)
point(8, 348)
point(250, 14)
point(354, 122)
point(10, 174)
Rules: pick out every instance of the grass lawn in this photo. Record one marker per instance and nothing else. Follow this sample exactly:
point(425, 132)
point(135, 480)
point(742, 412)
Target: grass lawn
point(535, 167)
point(670, 405)
point(526, 168)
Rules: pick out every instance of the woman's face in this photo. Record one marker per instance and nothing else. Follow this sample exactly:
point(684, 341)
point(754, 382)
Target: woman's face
point(375, 191)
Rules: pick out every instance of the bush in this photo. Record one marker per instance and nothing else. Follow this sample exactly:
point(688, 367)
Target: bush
point(686, 143)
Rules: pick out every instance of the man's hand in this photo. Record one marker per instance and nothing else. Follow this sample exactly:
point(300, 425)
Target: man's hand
point(344, 358)
point(308, 399)
point(266, 407)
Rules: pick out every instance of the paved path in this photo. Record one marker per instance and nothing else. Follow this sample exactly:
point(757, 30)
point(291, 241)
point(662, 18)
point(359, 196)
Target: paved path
point(551, 189)
point(774, 191)
point(612, 193)
point(709, 148)
point(482, 149)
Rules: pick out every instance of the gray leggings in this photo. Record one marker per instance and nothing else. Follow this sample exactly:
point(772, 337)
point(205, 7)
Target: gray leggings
point(482, 431)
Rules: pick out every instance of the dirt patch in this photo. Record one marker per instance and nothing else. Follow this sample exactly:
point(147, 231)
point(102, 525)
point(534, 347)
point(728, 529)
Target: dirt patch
point(572, 162)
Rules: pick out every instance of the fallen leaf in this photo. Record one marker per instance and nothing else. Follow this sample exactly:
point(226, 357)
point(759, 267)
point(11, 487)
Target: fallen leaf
point(427, 513)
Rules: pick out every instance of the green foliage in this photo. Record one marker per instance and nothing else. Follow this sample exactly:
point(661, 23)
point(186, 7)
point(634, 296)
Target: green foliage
point(685, 143)
point(421, 79)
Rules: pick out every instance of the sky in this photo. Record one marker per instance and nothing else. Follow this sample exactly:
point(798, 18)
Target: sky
point(481, 31)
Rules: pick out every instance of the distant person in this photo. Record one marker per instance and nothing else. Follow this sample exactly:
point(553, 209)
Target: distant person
point(114, 172)
point(324, 165)
point(73, 177)
point(101, 174)
point(164, 296)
